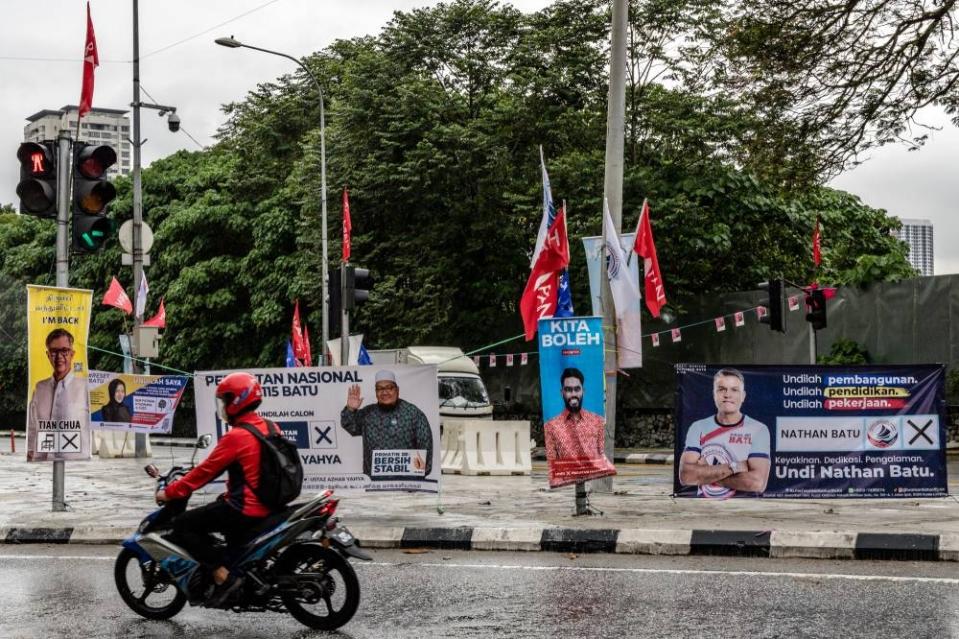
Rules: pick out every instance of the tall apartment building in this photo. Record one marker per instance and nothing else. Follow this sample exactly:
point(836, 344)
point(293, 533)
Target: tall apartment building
point(918, 235)
point(99, 126)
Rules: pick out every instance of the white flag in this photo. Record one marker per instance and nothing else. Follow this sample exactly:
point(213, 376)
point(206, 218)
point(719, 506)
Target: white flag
point(629, 333)
point(142, 295)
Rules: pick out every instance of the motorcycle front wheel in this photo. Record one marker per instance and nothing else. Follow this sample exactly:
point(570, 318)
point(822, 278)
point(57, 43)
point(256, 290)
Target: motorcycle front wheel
point(146, 588)
point(327, 593)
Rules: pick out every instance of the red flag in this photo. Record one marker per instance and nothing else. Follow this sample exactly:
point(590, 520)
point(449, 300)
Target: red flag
point(117, 297)
point(347, 226)
point(828, 292)
point(299, 348)
point(816, 247)
point(644, 247)
point(90, 62)
point(158, 320)
point(542, 287)
point(308, 356)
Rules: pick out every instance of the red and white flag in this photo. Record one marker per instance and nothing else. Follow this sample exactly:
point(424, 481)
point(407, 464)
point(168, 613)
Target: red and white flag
point(739, 318)
point(644, 247)
point(720, 324)
point(816, 244)
point(509, 359)
point(308, 356)
point(299, 347)
point(476, 359)
point(90, 62)
point(523, 359)
point(117, 297)
point(794, 303)
point(158, 320)
point(655, 338)
point(347, 226)
point(542, 287)
point(761, 312)
point(492, 361)
point(677, 335)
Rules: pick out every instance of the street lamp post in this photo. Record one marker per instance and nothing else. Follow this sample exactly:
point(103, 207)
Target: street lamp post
point(235, 44)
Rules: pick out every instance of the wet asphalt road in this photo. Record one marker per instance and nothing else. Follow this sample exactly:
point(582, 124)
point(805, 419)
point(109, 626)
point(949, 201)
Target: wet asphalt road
point(60, 591)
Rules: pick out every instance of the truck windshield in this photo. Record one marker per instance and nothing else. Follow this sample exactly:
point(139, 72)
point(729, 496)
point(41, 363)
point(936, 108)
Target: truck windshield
point(454, 390)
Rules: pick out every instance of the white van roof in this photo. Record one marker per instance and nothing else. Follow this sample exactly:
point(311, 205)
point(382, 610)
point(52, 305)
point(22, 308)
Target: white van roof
point(450, 359)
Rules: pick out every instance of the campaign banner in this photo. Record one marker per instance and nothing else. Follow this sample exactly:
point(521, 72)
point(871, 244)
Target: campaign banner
point(134, 403)
point(357, 428)
point(58, 415)
point(573, 394)
point(810, 431)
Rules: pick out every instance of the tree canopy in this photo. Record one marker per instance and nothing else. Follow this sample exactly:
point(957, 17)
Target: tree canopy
point(434, 125)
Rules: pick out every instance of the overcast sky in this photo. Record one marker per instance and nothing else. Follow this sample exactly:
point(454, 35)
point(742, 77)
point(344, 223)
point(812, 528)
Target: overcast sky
point(196, 76)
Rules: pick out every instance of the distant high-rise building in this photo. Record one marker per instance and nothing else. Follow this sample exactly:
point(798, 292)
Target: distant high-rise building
point(918, 235)
point(99, 126)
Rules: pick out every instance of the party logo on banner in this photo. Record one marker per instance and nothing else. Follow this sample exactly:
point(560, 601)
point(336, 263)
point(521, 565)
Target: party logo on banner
point(136, 403)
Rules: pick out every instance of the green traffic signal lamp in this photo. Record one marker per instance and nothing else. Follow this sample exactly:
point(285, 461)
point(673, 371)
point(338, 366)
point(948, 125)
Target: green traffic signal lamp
point(37, 188)
point(92, 192)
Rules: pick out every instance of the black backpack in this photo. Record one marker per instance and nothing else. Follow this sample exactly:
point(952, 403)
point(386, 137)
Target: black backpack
point(281, 473)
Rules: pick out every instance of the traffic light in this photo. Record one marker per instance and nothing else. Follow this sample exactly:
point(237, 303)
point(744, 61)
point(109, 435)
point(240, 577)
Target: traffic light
point(37, 188)
point(91, 194)
point(358, 285)
point(816, 303)
point(335, 308)
point(776, 318)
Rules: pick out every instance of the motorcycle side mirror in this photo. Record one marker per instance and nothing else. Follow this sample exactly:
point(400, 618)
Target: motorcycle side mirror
point(203, 441)
point(151, 470)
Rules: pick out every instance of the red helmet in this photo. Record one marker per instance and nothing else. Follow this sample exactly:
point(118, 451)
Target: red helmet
point(238, 393)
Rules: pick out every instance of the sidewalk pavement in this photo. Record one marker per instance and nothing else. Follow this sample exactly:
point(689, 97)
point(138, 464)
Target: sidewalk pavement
point(107, 498)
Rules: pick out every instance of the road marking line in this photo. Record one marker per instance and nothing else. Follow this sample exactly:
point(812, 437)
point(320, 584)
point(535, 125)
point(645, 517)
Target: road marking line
point(679, 571)
point(642, 571)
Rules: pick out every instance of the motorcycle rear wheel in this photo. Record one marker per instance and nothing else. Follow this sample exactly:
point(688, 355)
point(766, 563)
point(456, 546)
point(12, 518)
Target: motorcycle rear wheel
point(338, 595)
point(153, 583)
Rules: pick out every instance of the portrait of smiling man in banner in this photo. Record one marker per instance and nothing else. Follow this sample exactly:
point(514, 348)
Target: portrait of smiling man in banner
point(58, 416)
point(726, 453)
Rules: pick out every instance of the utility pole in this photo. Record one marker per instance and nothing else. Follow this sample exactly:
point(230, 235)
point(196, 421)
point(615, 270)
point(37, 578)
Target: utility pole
point(139, 438)
point(64, 162)
point(613, 193)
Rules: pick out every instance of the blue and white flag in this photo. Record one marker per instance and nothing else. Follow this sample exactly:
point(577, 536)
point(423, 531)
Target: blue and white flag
point(290, 358)
point(564, 302)
point(364, 359)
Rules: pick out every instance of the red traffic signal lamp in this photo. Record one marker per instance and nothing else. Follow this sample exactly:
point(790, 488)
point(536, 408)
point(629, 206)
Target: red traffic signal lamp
point(37, 188)
point(92, 192)
point(816, 305)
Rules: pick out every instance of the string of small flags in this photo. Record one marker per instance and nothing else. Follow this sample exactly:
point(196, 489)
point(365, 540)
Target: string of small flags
point(739, 319)
point(509, 357)
point(675, 334)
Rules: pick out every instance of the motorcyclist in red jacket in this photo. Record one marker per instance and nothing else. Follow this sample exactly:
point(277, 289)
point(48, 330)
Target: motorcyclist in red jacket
point(237, 512)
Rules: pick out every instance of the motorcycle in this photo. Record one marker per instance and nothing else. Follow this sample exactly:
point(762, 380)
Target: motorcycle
point(297, 562)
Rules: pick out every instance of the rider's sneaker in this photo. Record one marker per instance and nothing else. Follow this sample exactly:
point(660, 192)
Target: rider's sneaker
point(225, 592)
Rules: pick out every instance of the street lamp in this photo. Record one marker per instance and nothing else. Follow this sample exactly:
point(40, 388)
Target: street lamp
point(232, 43)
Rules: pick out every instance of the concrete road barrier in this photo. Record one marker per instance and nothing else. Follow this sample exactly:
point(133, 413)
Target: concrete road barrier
point(116, 443)
point(484, 447)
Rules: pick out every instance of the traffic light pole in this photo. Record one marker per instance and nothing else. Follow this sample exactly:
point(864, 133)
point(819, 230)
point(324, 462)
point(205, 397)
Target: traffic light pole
point(140, 445)
point(63, 272)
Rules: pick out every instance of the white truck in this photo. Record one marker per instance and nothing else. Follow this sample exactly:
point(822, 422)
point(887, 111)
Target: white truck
point(462, 393)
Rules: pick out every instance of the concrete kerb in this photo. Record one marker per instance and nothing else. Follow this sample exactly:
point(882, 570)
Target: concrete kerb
point(732, 543)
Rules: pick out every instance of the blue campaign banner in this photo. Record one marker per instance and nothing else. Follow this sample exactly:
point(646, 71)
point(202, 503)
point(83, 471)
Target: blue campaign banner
point(574, 399)
point(810, 431)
